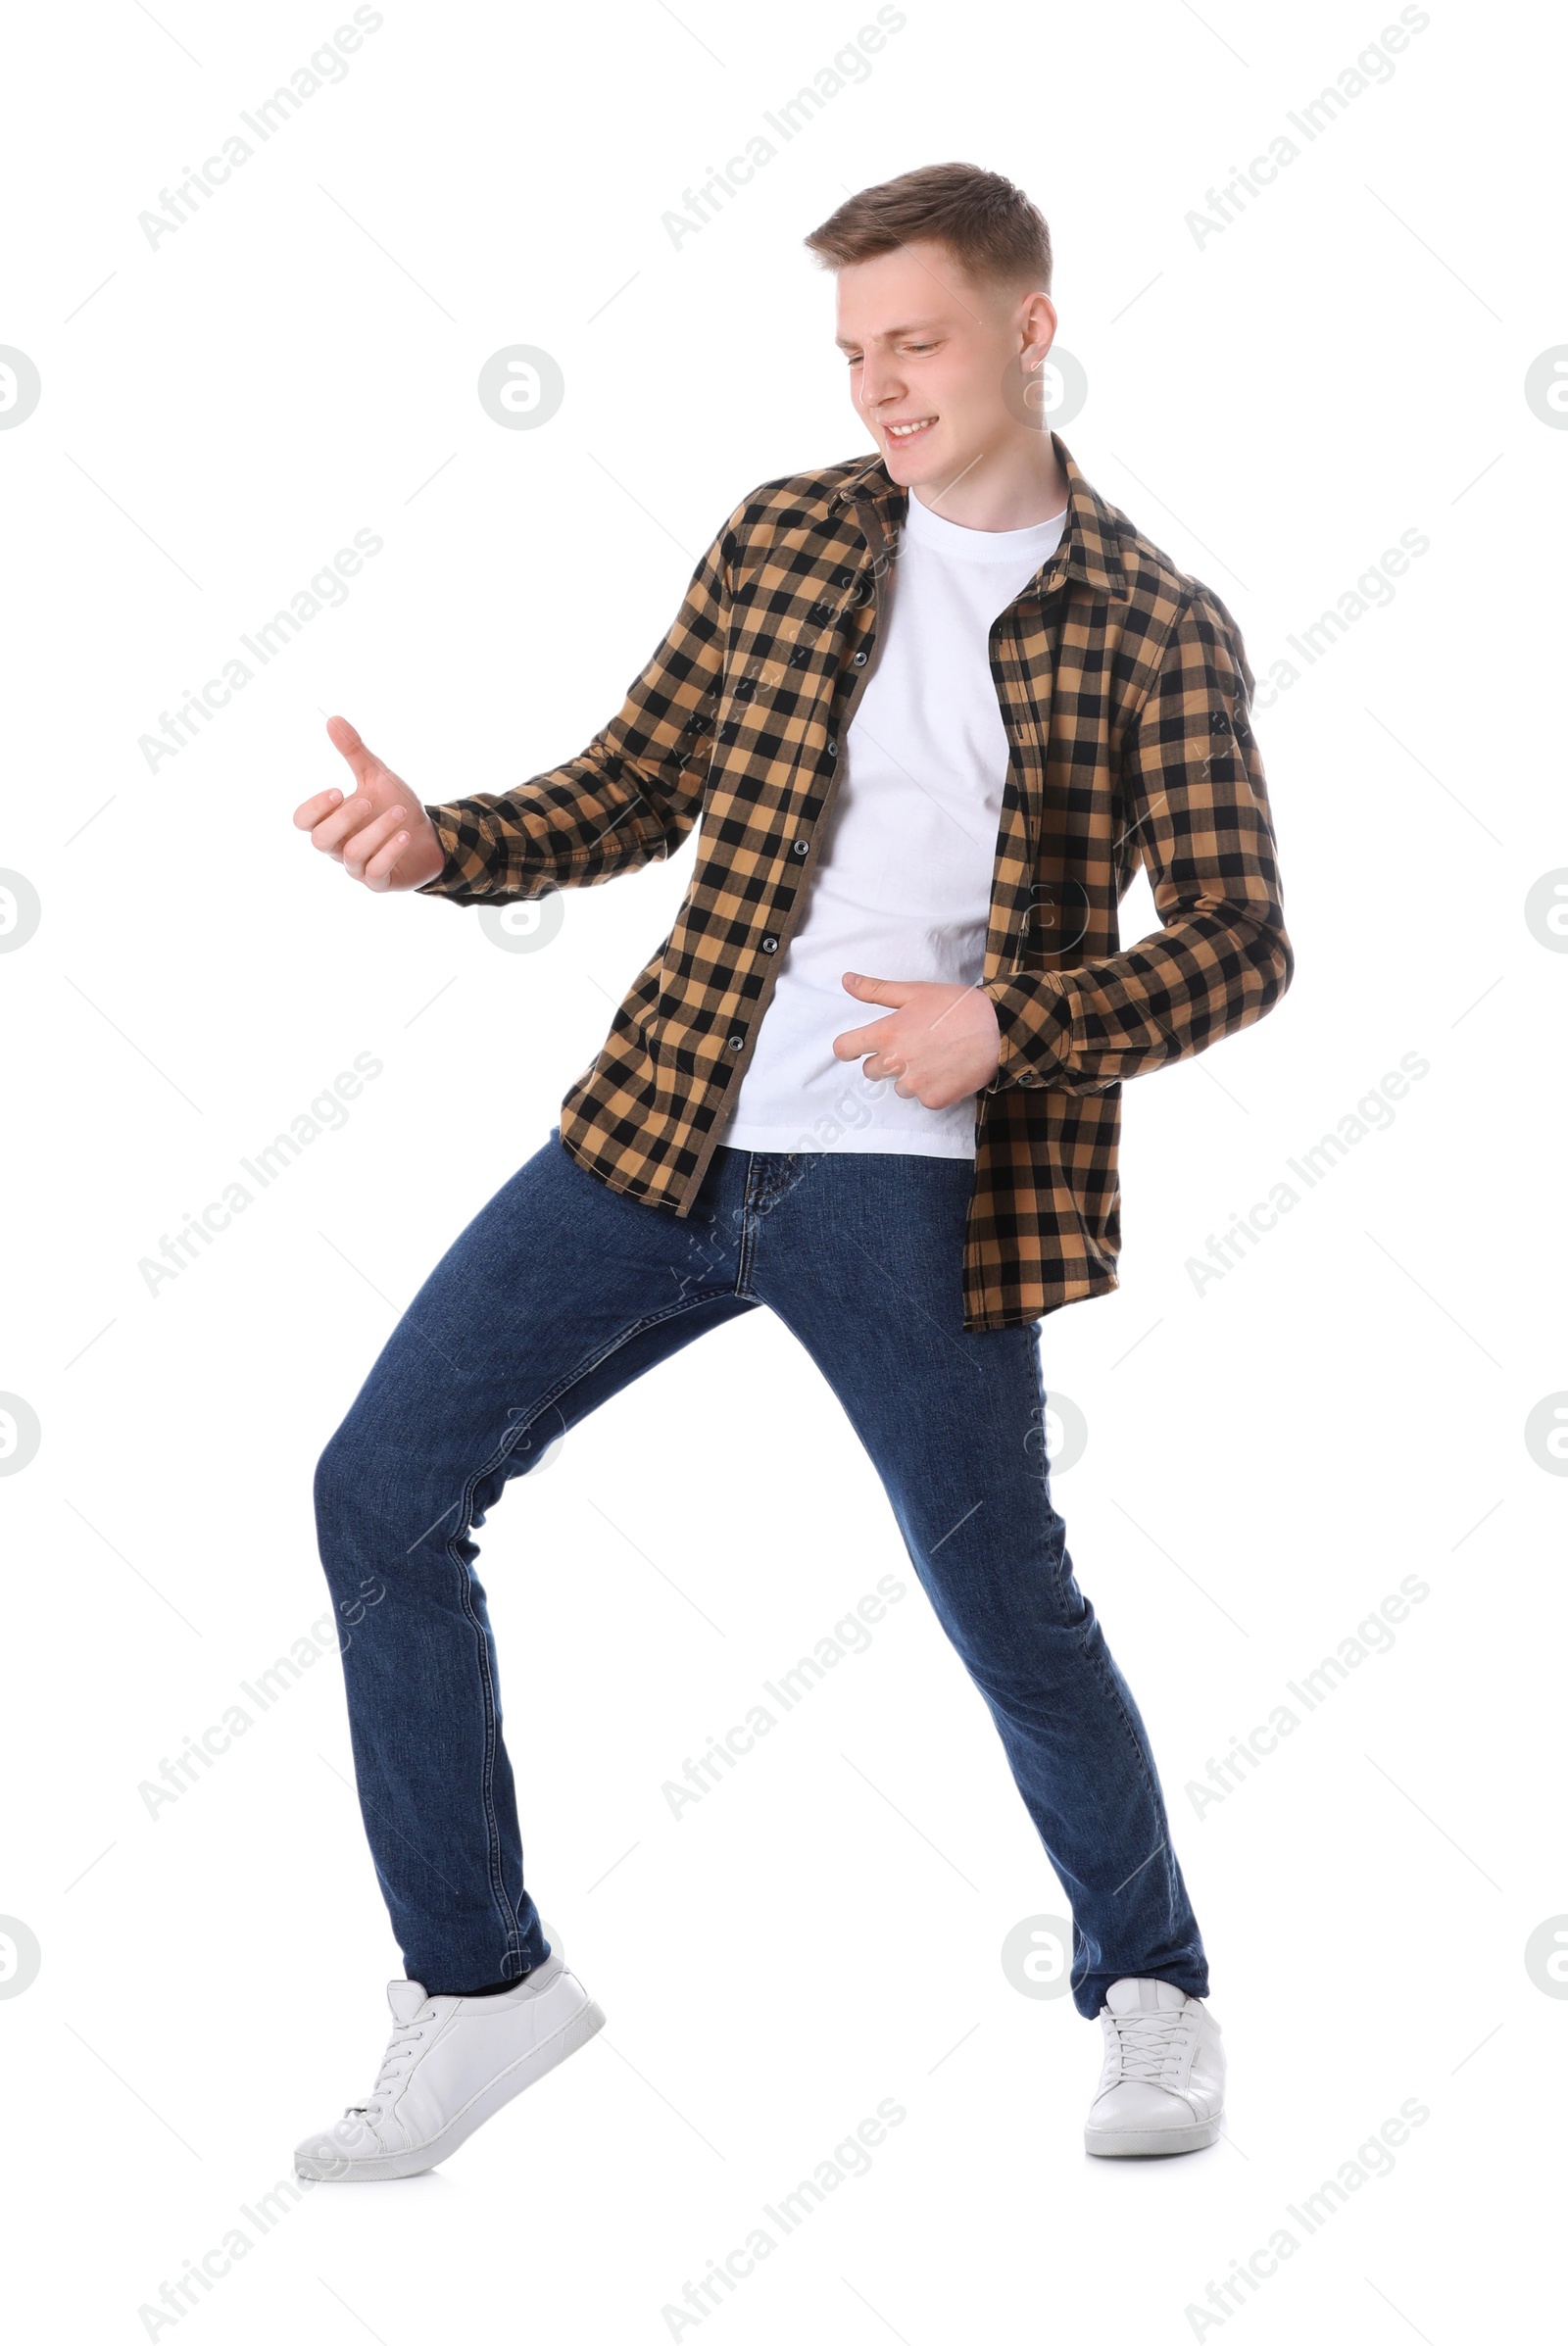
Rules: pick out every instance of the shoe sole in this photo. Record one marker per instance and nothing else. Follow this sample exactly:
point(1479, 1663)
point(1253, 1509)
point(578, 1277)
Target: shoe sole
point(1152, 2142)
point(392, 2165)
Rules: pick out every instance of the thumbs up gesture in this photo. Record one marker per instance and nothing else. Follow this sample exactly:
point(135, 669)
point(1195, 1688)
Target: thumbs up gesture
point(382, 835)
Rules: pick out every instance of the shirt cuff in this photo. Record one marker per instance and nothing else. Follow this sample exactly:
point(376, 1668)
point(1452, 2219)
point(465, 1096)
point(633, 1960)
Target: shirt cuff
point(1034, 1024)
point(448, 880)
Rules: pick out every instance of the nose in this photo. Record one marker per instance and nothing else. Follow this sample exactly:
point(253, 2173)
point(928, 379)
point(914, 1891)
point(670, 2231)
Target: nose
point(879, 386)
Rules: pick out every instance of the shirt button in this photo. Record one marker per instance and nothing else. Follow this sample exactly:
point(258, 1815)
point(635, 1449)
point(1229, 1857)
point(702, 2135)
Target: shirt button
point(737, 1041)
point(832, 748)
point(859, 659)
point(770, 944)
point(802, 847)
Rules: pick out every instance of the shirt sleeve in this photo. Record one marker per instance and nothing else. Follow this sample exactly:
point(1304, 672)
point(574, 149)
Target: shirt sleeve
point(632, 795)
point(1195, 808)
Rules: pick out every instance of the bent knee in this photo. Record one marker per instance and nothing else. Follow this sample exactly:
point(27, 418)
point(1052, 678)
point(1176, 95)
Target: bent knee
point(381, 1509)
point(355, 1482)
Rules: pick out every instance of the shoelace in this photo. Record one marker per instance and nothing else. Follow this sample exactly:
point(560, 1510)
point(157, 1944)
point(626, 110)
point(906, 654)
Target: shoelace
point(1146, 2042)
point(400, 2048)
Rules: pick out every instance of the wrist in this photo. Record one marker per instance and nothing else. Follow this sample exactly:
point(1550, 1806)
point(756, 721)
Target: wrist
point(444, 840)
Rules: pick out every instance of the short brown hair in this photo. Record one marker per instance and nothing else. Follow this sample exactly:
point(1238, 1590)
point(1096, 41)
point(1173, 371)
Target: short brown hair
point(989, 225)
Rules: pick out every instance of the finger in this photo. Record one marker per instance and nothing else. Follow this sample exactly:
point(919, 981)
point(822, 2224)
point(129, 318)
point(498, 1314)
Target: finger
point(861, 1039)
point(307, 817)
point(364, 843)
point(378, 873)
point(891, 991)
point(375, 835)
point(349, 816)
point(343, 737)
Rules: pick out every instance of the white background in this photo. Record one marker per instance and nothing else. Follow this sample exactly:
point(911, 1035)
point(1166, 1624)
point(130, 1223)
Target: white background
point(1266, 1459)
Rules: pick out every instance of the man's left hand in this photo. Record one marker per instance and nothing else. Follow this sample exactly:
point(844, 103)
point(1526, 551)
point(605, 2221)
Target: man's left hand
point(940, 1044)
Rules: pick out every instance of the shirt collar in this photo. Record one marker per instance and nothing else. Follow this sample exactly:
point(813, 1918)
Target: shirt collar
point(1088, 551)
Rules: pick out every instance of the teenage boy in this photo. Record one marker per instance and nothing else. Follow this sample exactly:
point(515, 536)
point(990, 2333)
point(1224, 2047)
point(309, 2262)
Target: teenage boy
point(932, 710)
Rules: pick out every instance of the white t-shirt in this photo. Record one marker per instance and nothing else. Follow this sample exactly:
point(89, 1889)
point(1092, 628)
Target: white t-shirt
point(903, 883)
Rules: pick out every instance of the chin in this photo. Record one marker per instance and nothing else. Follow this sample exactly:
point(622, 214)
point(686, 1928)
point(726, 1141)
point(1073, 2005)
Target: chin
point(913, 466)
point(929, 464)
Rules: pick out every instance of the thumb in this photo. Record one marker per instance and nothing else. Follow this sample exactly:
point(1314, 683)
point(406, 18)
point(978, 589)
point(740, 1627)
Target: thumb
point(889, 992)
point(344, 738)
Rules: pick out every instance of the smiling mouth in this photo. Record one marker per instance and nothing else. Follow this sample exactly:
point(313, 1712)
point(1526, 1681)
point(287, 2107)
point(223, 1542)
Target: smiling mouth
point(910, 431)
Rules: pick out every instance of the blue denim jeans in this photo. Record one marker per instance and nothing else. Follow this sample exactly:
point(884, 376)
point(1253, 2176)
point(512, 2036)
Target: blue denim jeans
point(557, 1295)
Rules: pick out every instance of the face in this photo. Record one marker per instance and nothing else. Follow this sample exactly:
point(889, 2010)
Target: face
point(926, 348)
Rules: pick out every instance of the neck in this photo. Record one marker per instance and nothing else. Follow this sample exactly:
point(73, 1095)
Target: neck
point(1008, 487)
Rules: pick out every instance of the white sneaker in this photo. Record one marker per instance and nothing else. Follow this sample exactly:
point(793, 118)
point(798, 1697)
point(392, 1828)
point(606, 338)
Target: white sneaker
point(1162, 2086)
point(451, 2062)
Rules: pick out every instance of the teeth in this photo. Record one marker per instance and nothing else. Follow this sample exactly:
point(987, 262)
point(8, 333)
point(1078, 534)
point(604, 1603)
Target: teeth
point(901, 431)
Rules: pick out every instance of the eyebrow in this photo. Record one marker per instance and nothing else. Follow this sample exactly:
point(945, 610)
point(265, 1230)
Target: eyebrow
point(921, 325)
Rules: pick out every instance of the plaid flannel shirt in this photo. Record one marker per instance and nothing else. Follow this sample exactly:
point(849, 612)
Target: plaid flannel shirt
point(1125, 690)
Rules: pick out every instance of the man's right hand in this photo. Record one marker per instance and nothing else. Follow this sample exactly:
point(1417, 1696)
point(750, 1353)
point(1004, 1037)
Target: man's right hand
point(382, 835)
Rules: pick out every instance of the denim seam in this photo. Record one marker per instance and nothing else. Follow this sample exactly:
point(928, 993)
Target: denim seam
point(747, 1249)
point(1167, 1853)
point(585, 1368)
point(1098, 1656)
point(509, 1921)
